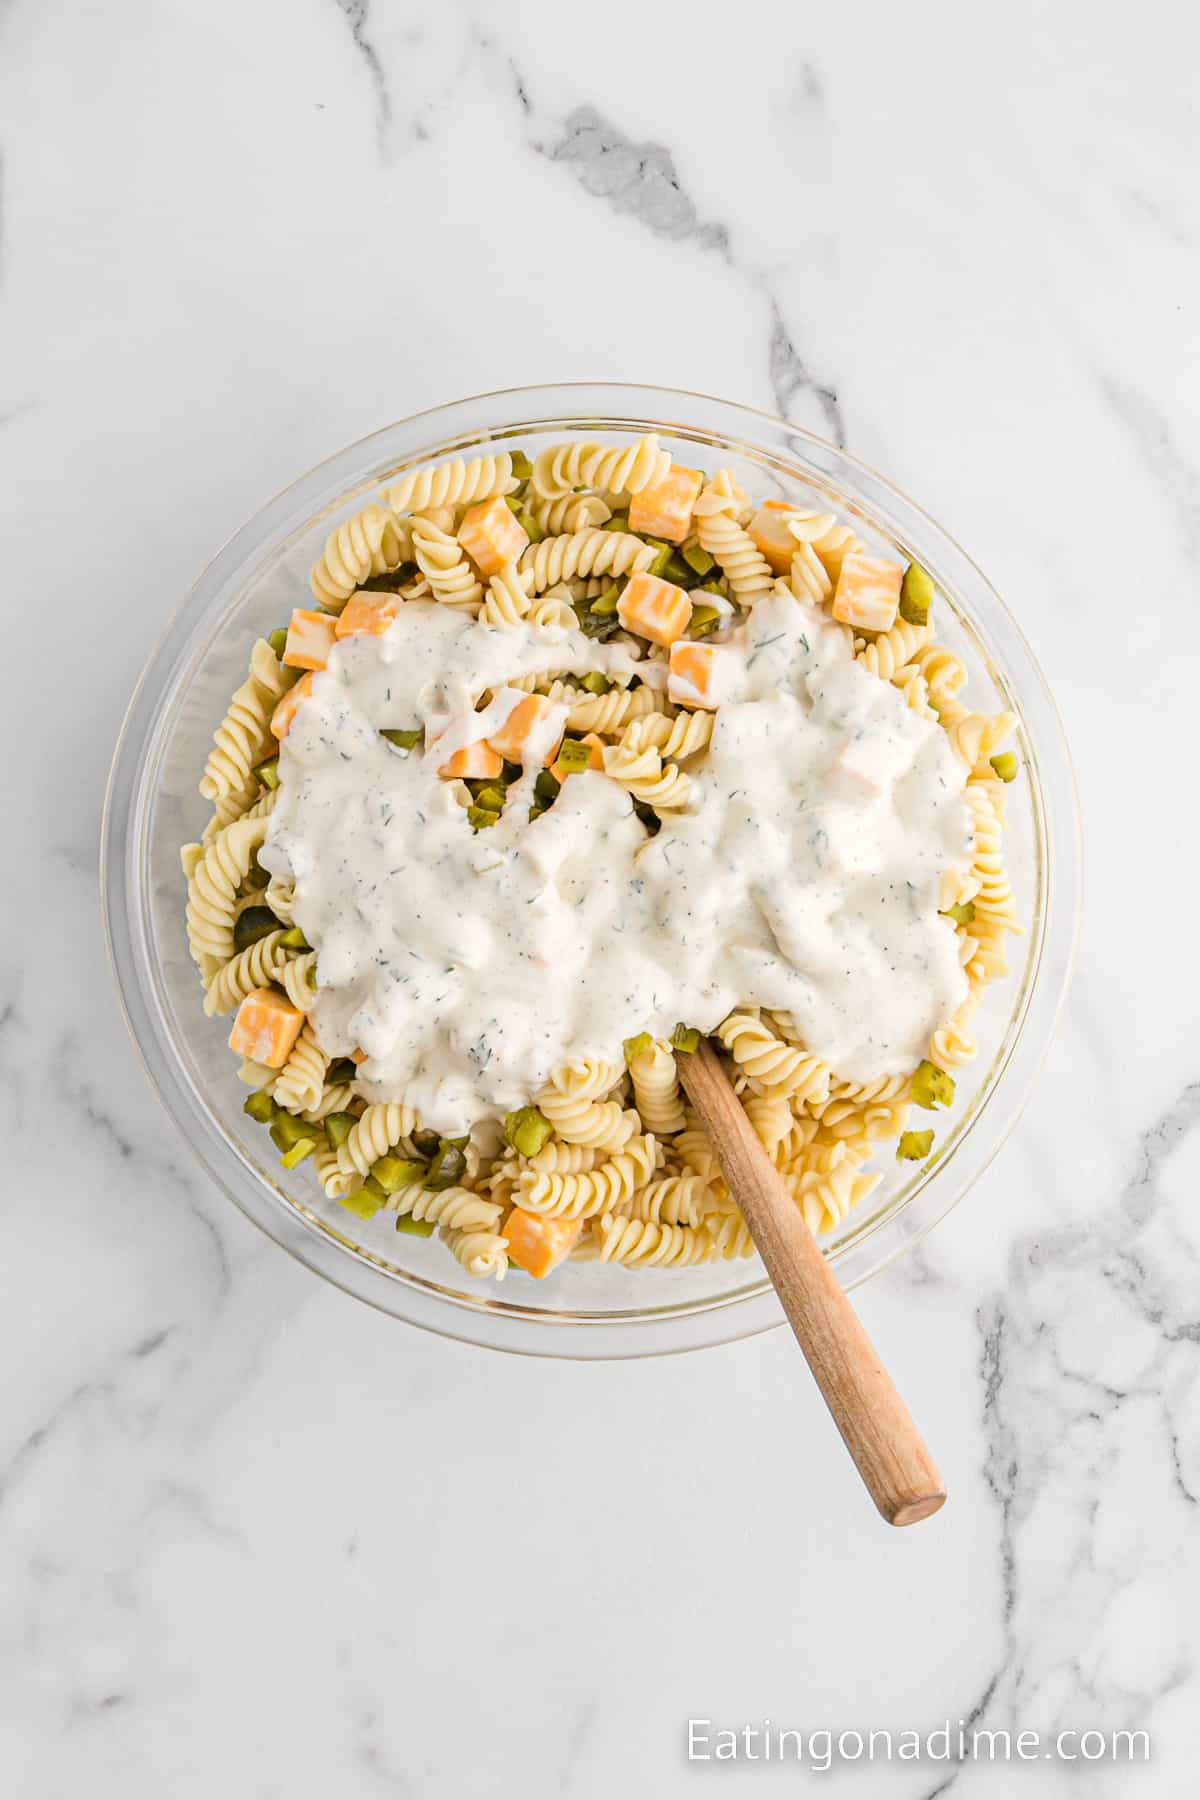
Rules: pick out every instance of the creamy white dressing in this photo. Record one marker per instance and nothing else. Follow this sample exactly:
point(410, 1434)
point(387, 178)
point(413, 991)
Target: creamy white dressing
point(804, 876)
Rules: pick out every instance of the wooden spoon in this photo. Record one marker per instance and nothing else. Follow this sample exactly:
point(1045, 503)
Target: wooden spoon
point(875, 1424)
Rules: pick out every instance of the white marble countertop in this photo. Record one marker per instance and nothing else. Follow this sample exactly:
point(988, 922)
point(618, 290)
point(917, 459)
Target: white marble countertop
point(256, 1540)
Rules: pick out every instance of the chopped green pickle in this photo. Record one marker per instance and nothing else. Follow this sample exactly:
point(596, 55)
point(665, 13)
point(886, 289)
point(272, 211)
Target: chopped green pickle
point(599, 625)
point(931, 1087)
point(637, 1046)
point(373, 1187)
point(278, 640)
point(916, 595)
point(522, 468)
point(426, 1143)
point(298, 1152)
point(338, 1126)
point(537, 809)
point(618, 522)
point(447, 1167)
point(962, 914)
point(260, 1106)
point(268, 772)
point(294, 939)
point(595, 682)
point(394, 1172)
point(415, 1227)
point(513, 503)
point(1005, 765)
point(573, 756)
point(480, 817)
point(547, 786)
point(404, 740)
point(605, 604)
point(254, 923)
point(287, 1130)
point(344, 1069)
point(361, 1203)
point(685, 1037)
point(914, 1146)
point(678, 571)
point(310, 976)
point(648, 816)
point(662, 560)
point(698, 560)
point(530, 526)
point(510, 772)
point(491, 795)
point(457, 1143)
point(703, 620)
point(528, 1130)
point(711, 587)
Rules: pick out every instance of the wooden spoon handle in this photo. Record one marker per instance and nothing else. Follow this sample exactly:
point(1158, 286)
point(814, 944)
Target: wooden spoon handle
point(875, 1424)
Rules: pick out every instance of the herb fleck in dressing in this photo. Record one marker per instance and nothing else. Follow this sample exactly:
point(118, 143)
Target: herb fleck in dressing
point(469, 967)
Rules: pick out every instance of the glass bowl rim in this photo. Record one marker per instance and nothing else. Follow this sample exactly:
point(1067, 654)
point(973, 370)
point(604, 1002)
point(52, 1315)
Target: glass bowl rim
point(325, 487)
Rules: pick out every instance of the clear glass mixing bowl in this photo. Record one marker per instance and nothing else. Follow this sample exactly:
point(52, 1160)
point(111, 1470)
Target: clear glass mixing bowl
point(585, 1310)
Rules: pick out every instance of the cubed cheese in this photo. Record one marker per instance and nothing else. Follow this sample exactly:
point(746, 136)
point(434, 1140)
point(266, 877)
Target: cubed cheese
point(653, 608)
point(266, 1028)
point(290, 704)
point(491, 536)
point(528, 718)
point(665, 508)
point(769, 529)
point(369, 613)
point(868, 592)
point(309, 639)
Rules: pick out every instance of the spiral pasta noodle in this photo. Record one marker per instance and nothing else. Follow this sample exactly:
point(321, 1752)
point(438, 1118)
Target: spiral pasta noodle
point(671, 1200)
point(784, 1069)
point(893, 649)
point(256, 967)
point(573, 512)
point(379, 1130)
point(441, 560)
point(685, 735)
point(656, 1090)
point(591, 552)
point(214, 882)
point(298, 979)
point(456, 483)
point(743, 564)
point(483, 1254)
point(301, 1081)
point(606, 713)
point(606, 1188)
point(642, 1243)
point(368, 544)
point(457, 1208)
point(663, 786)
point(243, 738)
point(507, 599)
point(625, 469)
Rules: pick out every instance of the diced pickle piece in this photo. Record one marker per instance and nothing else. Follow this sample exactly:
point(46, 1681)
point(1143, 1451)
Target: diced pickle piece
point(698, 559)
point(703, 620)
point(637, 1046)
point(1005, 765)
point(426, 1143)
point(278, 640)
point(522, 468)
point(260, 1106)
point(679, 571)
point(595, 682)
point(255, 923)
point(287, 1129)
point(338, 1126)
point(394, 1172)
point(685, 1037)
point(362, 1203)
point(414, 1227)
point(916, 595)
point(492, 795)
point(605, 604)
point(299, 1150)
point(447, 1167)
point(528, 1130)
point(931, 1087)
point(547, 785)
point(294, 939)
point(573, 757)
point(404, 740)
point(530, 526)
point(481, 817)
point(962, 914)
point(914, 1146)
point(268, 772)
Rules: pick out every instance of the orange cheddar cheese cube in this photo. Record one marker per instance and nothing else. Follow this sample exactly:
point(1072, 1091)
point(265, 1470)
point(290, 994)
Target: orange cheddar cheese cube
point(512, 738)
point(654, 608)
point(370, 613)
point(491, 536)
point(868, 592)
point(665, 508)
point(695, 675)
point(266, 1028)
point(539, 1244)
point(477, 761)
point(288, 707)
point(769, 529)
point(309, 639)
point(360, 1055)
